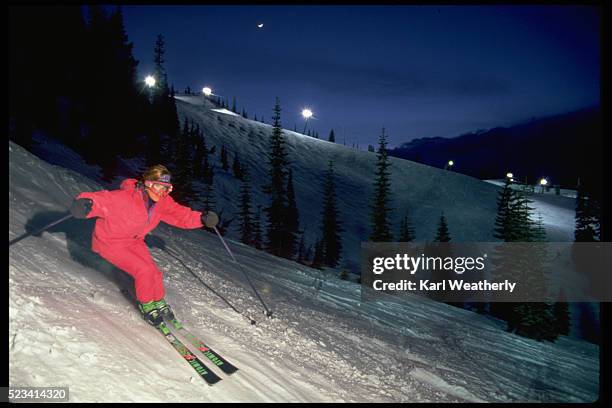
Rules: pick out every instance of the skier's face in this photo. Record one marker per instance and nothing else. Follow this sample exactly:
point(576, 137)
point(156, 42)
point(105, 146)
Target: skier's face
point(158, 189)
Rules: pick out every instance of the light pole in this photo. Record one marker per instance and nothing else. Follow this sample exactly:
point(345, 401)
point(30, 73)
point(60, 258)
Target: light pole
point(449, 164)
point(306, 113)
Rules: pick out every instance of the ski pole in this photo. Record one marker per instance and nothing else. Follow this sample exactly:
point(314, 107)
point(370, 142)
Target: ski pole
point(267, 312)
point(171, 252)
point(14, 241)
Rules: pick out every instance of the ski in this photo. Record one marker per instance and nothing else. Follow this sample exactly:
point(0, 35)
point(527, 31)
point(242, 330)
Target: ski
point(213, 356)
point(208, 376)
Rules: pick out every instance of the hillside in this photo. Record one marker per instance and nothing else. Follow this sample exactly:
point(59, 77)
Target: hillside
point(561, 148)
point(423, 191)
point(72, 324)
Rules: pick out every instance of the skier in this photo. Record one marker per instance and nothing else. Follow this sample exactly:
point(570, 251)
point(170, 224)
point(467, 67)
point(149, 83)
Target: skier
point(125, 217)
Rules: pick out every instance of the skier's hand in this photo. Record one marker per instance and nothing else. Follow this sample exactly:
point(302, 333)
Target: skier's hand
point(81, 207)
point(210, 219)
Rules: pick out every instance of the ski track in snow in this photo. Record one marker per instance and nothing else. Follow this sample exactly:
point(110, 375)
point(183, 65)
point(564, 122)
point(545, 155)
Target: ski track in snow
point(70, 319)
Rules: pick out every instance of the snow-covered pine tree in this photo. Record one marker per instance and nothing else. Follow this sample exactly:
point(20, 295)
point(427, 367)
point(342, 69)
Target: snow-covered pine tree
point(381, 211)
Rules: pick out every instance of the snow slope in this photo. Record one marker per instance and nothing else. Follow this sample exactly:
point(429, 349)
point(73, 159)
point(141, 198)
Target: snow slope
point(72, 324)
point(423, 191)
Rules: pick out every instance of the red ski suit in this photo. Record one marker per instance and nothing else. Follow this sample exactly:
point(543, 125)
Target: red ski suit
point(123, 222)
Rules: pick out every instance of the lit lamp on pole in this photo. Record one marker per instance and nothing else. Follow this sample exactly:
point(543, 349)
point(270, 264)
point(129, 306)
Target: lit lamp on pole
point(206, 91)
point(306, 113)
point(510, 176)
point(150, 82)
point(449, 164)
point(543, 183)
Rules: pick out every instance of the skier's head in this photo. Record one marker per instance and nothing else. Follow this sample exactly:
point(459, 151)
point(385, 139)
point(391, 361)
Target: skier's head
point(156, 180)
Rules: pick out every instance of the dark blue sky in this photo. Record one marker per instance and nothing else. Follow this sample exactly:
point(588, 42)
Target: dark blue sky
point(419, 71)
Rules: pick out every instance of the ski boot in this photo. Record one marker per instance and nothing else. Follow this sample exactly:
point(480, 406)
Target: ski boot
point(164, 310)
point(150, 313)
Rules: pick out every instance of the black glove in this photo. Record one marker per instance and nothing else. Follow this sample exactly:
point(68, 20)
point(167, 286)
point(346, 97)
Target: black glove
point(81, 207)
point(210, 219)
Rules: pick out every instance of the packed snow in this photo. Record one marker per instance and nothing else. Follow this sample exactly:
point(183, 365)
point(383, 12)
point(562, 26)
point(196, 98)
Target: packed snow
point(72, 321)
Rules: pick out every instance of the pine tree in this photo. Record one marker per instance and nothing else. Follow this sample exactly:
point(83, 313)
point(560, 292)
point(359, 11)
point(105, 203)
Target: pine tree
point(207, 170)
point(406, 233)
point(124, 73)
point(199, 151)
point(164, 116)
point(292, 221)
point(257, 241)
point(521, 211)
point(442, 234)
point(237, 167)
point(208, 199)
point(534, 319)
point(276, 211)
point(332, 137)
point(503, 221)
point(561, 315)
point(381, 231)
point(440, 248)
point(506, 228)
point(587, 229)
point(317, 261)
point(234, 105)
point(224, 162)
point(331, 226)
point(181, 167)
point(245, 216)
point(586, 219)
point(301, 254)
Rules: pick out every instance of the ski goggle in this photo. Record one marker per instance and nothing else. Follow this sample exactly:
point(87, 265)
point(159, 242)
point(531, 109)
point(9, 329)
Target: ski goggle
point(159, 187)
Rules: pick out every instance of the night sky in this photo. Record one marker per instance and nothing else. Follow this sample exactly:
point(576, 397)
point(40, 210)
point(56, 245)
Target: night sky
point(418, 71)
